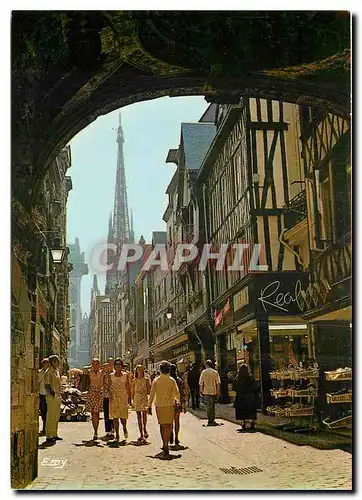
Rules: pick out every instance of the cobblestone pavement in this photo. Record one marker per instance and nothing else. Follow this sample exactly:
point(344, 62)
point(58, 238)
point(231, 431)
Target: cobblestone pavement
point(197, 467)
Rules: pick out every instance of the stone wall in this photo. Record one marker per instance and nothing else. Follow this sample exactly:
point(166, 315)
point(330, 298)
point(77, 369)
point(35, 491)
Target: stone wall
point(24, 384)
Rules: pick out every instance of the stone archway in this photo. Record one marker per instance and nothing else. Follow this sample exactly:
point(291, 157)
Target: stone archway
point(70, 67)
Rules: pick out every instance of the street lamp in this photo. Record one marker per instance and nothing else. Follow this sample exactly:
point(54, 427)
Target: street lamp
point(169, 316)
point(58, 254)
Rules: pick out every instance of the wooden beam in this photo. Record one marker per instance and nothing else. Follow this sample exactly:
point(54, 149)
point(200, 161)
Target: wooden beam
point(267, 125)
point(266, 211)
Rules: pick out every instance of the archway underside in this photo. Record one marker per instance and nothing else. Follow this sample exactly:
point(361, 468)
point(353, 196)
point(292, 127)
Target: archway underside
point(71, 67)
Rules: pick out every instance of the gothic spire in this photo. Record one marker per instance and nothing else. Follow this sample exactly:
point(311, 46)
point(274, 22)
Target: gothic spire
point(121, 229)
point(121, 232)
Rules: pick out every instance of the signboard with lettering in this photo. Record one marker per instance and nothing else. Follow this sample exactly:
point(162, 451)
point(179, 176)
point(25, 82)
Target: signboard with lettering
point(182, 349)
point(241, 298)
point(220, 315)
point(280, 294)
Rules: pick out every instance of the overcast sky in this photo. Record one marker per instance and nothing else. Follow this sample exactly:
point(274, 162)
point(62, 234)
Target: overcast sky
point(150, 129)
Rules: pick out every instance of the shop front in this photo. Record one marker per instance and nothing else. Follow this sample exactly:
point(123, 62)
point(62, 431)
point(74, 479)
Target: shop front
point(142, 358)
point(260, 326)
point(332, 332)
point(177, 350)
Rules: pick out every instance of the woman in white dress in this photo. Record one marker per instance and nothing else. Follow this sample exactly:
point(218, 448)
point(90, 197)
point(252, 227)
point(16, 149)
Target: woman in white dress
point(141, 387)
point(119, 393)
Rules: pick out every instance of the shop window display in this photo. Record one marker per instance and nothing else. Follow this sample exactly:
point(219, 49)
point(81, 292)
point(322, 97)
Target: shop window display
point(286, 350)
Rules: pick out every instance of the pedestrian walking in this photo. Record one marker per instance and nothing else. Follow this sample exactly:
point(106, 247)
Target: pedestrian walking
point(178, 406)
point(141, 386)
point(210, 389)
point(186, 383)
point(94, 404)
point(119, 395)
point(165, 392)
point(193, 383)
point(246, 399)
point(42, 393)
point(52, 386)
point(108, 423)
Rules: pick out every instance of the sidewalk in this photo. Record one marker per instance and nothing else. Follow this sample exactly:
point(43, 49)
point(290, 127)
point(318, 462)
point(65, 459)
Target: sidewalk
point(322, 440)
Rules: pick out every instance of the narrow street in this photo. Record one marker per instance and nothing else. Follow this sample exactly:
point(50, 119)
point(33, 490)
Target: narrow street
point(275, 464)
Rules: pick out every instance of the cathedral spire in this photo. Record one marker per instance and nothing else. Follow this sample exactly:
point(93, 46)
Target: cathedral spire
point(121, 229)
point(121, 232)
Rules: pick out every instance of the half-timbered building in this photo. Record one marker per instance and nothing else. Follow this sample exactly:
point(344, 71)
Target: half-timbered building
point(327, 300)
point(251, 171)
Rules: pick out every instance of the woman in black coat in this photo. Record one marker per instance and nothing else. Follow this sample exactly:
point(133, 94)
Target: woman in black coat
point(246, 400)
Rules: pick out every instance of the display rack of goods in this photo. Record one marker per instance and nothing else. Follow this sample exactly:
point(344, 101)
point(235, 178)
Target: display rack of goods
point(341, 375)
point(294, 391)
point(341, 423)
point(280, 393)
point(311, 392)
point(339, 398)
point(281, 375)
point(300, 411)
point(345, 397)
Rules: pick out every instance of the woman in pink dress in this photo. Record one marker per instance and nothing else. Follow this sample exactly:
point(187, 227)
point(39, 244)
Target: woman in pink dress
point(119, 394)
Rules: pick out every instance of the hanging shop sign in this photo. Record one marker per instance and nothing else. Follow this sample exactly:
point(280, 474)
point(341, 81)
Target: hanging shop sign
point(241, 298)
point(220, 316)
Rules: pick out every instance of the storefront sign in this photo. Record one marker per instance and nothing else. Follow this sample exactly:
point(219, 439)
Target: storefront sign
point(182, 349)
point(282, 295)
point(274, 297)
point(241, 298)
point(219, 317)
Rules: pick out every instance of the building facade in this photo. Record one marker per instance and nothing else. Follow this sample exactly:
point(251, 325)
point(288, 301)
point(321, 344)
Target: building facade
point(187, 219)
point(252, 169)
point(42, 297)
point(79, 353)
point(327, 203)
point(139, 346)
point(104, 327)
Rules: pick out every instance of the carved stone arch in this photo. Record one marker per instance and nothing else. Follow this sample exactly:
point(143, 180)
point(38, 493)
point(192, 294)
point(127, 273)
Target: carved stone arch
point(68, 68)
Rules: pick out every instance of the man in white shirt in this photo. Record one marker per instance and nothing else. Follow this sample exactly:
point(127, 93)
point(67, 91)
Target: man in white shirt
point(210, 389)
point(165, 390)
point(42, 393)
